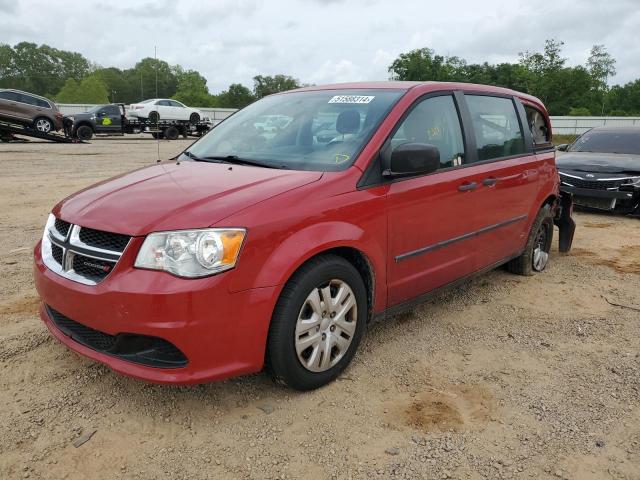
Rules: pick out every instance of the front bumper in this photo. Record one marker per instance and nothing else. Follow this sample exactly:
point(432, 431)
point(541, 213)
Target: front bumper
point(623, 200)
point(221, 334)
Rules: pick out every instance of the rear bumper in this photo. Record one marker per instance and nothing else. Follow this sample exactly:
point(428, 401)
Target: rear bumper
point(221, 334)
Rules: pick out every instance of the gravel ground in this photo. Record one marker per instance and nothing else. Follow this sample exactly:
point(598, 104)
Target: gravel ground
point(505, 377)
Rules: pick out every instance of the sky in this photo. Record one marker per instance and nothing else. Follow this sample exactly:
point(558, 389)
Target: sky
point(322, 41)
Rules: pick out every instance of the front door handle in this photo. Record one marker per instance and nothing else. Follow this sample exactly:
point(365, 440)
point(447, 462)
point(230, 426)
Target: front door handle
point(489, 182)
point(468, 186)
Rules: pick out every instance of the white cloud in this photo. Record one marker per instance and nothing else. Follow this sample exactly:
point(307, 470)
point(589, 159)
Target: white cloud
point(320, 41)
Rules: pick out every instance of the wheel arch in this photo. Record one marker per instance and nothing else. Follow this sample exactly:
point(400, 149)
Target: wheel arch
point(84, 123)
point(338, 238)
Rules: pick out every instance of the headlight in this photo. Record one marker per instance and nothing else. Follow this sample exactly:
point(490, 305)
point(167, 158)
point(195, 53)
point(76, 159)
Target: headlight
point(192, 253)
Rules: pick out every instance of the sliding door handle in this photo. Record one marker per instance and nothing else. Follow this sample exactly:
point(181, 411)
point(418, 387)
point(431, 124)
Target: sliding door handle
point(468, 186)
point(489, 182)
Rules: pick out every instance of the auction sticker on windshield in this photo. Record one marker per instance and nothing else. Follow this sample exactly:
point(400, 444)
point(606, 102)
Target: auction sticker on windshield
point(352, 99)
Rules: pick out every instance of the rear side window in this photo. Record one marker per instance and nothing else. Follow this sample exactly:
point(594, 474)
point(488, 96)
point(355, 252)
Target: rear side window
point(540, 131)
point(434, 121)
point(173, 103)
point(497, 129)
point(28, 99)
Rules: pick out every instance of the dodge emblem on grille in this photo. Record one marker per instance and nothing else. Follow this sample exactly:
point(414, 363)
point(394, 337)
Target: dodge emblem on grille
point(104, 268)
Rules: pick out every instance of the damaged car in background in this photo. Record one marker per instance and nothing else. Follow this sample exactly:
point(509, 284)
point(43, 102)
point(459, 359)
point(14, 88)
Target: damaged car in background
point(601, 169)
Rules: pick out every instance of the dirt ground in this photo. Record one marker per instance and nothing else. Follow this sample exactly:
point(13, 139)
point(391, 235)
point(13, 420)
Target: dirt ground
point(506, 377)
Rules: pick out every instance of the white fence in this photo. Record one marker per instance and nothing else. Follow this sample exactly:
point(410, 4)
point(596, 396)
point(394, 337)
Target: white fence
point(215, 114)
point(579, 125)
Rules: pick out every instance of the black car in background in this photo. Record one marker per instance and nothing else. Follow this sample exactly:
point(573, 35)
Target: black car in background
point(601, 168)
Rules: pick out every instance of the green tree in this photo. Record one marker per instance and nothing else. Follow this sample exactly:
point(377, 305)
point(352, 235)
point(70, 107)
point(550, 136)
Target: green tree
point(90, 90)
point(39, 69)
point(267, 85)
point(143, 77)
point(192, 88)
point(580, 112)
point(601, 66)
point(236, 96)
point(119, 88)
point(423, 64)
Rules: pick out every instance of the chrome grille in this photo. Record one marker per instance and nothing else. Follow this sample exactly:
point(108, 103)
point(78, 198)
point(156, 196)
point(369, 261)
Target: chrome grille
point(595, 184)
point(81, 254)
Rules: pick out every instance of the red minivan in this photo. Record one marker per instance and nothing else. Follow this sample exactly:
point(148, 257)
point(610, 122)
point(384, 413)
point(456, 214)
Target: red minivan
point(277, 247)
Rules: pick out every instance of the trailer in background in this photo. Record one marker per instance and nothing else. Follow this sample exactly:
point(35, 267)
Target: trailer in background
point(9, 130)
point(112, 120)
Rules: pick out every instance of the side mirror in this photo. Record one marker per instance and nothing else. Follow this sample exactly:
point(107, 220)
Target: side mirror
point(563, 147)
point(412, 159)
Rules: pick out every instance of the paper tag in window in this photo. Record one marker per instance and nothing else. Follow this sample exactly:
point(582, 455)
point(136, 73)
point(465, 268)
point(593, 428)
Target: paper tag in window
point(352, 99)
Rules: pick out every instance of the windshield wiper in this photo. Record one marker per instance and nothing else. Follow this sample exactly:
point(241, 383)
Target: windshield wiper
point(193, 156)
point(240, 161)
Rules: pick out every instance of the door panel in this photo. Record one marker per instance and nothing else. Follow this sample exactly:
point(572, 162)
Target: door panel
point(431, 223)
point(508, 173)
point(430, 217)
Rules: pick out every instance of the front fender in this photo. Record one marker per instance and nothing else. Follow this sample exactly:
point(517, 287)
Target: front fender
point(281, 262)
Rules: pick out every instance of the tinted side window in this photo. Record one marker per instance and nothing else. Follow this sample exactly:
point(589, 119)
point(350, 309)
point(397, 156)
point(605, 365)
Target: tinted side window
point(164, 103)
point(112, 110)
point(27, 99)
point(175, 104)
point(9, 96)
point(42, 103)
point(434, 121)
point(497, 129)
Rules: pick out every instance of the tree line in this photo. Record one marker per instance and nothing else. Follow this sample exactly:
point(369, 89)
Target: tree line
point(68, 77)
point(565, 90)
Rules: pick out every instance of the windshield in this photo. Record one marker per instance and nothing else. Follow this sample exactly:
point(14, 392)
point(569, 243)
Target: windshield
point(316, 130)
point(608, 141)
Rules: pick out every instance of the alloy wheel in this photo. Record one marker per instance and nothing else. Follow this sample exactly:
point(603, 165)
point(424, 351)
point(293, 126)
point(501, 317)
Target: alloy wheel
point(43, 125)
point(540, 249)
point(326, 325)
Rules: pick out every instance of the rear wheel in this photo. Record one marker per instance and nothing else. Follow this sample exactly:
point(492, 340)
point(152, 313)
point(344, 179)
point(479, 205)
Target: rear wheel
point(317, 324)
point(194, 118)
point(84, 132)
point(171, 133)
point(154, 117)
point(536, 253)
point(43, 125)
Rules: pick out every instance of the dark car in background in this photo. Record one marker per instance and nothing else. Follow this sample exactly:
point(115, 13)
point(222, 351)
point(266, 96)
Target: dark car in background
point(601, 168)
point(30, 110)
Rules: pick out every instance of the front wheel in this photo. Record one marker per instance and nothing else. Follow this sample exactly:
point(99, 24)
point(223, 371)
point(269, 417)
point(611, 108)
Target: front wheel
point(317, 324)
point(194, 118)
point(536, 253)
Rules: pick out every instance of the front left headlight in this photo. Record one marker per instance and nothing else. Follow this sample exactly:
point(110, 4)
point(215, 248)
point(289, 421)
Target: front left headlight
point(192, 253)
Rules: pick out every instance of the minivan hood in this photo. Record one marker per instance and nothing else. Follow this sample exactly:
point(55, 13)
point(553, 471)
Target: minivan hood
point(599, 162)
point(171, 196)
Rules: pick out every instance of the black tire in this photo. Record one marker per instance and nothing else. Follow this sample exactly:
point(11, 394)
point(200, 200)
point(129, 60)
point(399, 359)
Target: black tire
point(84, 133)
point(43, 125)
point(540, 236)
point(154, 117)
point(194, 118)
point(282, 359)
point(171, 133)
